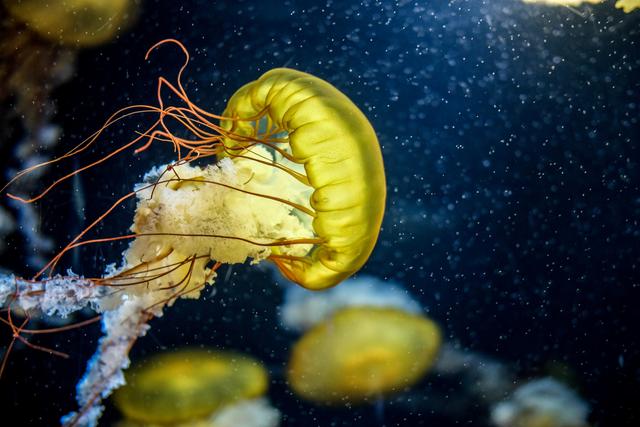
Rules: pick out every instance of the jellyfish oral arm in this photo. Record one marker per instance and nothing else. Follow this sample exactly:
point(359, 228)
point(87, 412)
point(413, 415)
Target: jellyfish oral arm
point(105, 372)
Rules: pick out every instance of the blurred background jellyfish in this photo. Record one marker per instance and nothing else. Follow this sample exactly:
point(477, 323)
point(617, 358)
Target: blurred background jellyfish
point(367, 340)
point(299, 181)
point(362, 354)
point(564, 2)
point(543, 402)
point(39, 43)
point(628, 5)
point(190, 387)
point(74, 22)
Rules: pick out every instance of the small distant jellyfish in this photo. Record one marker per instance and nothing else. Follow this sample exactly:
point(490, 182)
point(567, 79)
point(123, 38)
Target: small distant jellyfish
point(192, 387)
point(361, 354)
point(364, 340)
point(543, 402)
point(299, 182)
point(74, 22)
point(628, 6)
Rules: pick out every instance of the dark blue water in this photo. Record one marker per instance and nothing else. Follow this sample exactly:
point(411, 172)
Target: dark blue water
point(511, 140)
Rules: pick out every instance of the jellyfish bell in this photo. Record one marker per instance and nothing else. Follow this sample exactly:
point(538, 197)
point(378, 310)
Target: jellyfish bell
point(178, 237)
point(74, 22)
point(332, 149)
point(323, 204)
point(187, 385)
point(361, 353)
point(364, 339)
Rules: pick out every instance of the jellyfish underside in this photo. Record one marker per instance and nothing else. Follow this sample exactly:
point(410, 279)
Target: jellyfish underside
point(188, 385)
point(361, 353)
point(74, 22)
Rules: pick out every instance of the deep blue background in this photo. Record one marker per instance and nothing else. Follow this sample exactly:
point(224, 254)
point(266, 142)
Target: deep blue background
point(510, 135)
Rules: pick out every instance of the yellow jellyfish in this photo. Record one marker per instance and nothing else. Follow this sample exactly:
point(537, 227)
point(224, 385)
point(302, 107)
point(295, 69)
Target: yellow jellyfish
point(74, 22)
point(295, 142)
point(185, 385)
point(299, 181)
point(361, 353)
point(337, 154)
point(628, 5)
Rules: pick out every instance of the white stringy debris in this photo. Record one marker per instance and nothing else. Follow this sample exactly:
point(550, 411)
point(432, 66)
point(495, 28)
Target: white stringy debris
point(59, 295)
point(105, 371)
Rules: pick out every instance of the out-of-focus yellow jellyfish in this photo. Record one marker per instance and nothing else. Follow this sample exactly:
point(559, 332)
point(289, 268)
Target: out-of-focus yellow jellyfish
point(628, 5)
point(564, 2)
point(185, 385)
point(363, 352)
point(74, 22)
point(543, 402)
point(299, 181)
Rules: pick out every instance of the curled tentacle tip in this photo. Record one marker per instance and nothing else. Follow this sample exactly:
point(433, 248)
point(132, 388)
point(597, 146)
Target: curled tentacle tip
point(165, 41)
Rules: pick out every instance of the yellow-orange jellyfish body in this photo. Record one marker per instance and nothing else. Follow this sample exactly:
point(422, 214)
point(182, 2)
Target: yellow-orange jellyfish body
point(342, 162)
point(188, 384)
point(74, 22)
point(628, 5)
point(362, 352)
